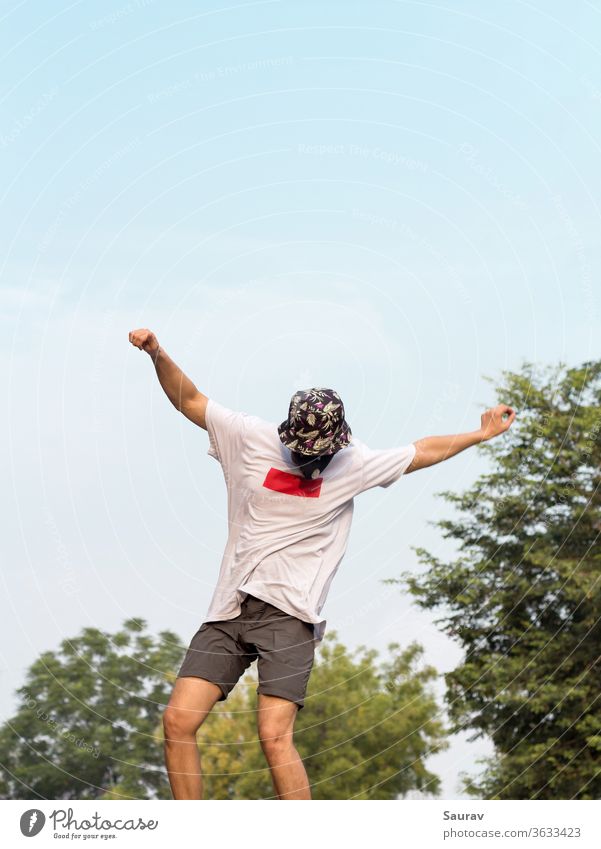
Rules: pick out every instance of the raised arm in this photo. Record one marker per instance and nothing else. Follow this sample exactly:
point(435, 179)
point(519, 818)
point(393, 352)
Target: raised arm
point(435, 449)
point(180, 390)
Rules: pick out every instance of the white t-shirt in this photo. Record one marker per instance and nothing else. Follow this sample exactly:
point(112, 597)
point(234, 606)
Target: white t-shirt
point(286, 535)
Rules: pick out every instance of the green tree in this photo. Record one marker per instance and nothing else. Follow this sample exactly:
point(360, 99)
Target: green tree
point(365, 731)
point(86, 726)
point(522, 596)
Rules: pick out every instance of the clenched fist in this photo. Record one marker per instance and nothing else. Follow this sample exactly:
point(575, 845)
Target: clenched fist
point(492, 422)
point(145, 340)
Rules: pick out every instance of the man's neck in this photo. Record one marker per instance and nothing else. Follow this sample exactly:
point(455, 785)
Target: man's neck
point(311, 466)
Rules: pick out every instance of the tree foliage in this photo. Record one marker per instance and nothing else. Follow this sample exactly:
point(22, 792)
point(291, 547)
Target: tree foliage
point(86, 725)
point(523, 594)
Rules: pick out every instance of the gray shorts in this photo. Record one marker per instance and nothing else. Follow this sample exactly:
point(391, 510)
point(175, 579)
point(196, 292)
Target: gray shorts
point(221, 651)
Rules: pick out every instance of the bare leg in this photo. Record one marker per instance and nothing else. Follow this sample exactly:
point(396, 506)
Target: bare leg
point(276, 727)
point(191, 702)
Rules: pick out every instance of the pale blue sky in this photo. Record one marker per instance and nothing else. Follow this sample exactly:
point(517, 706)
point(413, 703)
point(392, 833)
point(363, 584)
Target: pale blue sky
point(391, 198)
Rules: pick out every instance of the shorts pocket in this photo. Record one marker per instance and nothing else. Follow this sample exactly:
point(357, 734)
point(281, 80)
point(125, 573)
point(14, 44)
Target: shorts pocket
point(293, 641)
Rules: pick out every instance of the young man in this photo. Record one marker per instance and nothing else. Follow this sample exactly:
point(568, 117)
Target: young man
point(287, 536)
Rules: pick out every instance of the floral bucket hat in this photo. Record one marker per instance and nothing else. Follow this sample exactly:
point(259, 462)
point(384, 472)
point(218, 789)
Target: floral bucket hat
point(315, 425)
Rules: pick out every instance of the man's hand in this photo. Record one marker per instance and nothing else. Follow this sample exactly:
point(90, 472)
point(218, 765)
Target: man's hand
point(434, 449)
point(145, 340)
point(496, 421)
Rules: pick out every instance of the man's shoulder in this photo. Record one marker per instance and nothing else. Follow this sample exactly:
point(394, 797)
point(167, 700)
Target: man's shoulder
point(217, 408)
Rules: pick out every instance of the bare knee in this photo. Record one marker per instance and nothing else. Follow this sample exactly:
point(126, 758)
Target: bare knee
point(191, 702)
point(275, 742)
point(179, 724)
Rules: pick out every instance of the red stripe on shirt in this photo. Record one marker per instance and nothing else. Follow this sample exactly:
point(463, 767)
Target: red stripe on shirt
point(292, 484)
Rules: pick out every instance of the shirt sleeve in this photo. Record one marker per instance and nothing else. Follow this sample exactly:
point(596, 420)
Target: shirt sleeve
point(384, 467)
point(226, 429)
